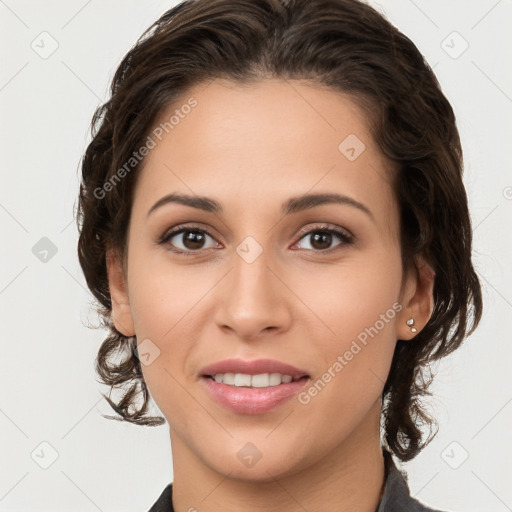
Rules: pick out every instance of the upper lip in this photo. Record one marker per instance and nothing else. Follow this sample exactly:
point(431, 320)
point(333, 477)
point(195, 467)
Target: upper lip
point(254, 367)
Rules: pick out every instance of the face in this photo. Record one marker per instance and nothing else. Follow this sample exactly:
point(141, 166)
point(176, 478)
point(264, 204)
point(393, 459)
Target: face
point(266, 275)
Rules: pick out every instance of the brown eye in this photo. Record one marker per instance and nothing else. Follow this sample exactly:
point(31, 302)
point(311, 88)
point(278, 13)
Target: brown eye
point(322, 238)
point(191, 239)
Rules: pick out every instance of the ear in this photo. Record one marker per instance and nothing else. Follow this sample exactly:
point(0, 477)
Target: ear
point(417, 299)
point(121, 309)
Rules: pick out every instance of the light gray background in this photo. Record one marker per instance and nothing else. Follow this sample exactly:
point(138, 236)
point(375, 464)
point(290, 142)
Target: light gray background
point(49, 392)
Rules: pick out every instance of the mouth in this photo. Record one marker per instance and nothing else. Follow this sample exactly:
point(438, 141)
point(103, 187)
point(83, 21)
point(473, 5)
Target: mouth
point(252, 400)
point(252, 387)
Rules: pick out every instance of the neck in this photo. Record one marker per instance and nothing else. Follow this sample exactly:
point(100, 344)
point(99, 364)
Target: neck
point(350, 478)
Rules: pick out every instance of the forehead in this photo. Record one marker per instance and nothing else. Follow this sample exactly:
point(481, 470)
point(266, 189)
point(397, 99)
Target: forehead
point(263, 142)
point(276, 113)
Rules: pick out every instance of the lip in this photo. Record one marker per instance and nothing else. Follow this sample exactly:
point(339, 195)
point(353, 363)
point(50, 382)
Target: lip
point(248, 400)
point(245, 400)
point(253, 368)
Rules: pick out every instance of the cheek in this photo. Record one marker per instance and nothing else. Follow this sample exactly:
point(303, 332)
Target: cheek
point(348, 298)
point(164, 293)
point(162, 308)
point(358, 308)
point(165, 301)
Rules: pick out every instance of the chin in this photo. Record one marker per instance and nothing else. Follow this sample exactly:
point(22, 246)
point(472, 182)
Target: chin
point(252, 465)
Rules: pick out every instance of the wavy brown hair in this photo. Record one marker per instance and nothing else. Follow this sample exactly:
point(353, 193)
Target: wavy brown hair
point(349, 47)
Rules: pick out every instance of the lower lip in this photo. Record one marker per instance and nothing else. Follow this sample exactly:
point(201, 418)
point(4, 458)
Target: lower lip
point(245, 400)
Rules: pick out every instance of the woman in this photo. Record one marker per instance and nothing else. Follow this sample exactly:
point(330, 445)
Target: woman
point(273, 219)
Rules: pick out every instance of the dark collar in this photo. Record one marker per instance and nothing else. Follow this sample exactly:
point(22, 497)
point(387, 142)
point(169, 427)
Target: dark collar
point(395, 498)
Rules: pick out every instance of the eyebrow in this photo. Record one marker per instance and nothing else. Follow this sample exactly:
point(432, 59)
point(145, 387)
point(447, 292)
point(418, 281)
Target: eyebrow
point(293, 205)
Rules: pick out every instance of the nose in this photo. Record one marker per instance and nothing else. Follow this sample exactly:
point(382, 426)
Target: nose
point(253, 299)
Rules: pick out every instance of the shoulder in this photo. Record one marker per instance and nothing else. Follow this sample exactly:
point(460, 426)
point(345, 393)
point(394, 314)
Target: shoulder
point(416, 506)
point(164, 501)
point(397, 496)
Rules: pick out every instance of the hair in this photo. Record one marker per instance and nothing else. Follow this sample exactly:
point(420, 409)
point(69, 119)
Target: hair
point(351, 48)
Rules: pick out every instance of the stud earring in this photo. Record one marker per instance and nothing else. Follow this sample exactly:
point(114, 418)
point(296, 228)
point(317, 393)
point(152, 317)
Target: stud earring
point(410, 323)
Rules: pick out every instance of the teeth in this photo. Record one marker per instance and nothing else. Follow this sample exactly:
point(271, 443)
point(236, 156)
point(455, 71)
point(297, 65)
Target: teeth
point(242, 379)
point(262, 380)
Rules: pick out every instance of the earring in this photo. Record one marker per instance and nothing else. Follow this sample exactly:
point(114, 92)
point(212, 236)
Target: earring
point(410, 323)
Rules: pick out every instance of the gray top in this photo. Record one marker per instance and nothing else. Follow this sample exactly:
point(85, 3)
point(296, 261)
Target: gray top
point(396, 496)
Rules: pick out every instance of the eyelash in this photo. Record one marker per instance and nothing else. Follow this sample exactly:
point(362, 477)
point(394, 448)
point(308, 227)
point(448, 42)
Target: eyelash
point(342, 235)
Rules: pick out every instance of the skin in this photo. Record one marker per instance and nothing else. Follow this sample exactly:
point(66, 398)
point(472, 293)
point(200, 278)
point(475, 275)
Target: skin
point(252, 148)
